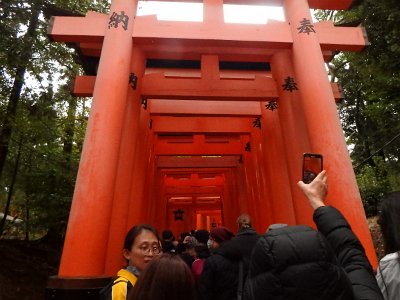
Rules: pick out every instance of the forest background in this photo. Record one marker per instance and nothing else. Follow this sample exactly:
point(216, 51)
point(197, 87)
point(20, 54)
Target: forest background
point(42, 126)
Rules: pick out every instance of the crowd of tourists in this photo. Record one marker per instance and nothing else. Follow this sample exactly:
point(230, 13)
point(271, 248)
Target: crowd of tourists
point(286, 262)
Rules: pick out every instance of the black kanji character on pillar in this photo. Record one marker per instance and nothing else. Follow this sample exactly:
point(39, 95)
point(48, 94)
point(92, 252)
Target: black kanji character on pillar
point(115, 19)
point(247, 147)
point(257, 122)
point(306, 26)
point(133, 80)
point(289, 84)
point(271, 105)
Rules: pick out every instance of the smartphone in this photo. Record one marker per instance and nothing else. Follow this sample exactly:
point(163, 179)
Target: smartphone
point(312, 166)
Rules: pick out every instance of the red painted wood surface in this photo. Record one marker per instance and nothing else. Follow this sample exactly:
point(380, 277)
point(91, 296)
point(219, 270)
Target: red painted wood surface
point(195, 147)
point(85, 246)
point(323, 124)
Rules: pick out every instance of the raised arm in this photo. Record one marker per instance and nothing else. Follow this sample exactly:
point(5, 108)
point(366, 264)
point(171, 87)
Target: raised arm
point(348, 249)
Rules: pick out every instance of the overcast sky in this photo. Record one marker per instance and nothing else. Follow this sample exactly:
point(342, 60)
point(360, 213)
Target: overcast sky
point(177, 11)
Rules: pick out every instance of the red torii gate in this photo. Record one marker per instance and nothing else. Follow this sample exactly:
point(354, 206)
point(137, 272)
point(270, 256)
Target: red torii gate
point(120, 174)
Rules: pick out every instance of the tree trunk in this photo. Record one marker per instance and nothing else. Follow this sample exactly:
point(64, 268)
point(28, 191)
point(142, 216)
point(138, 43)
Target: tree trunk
point(27, 200)
point(27, 219)
point(8, 125)
point(11, 190)
point(69, 131)
point(363, 124)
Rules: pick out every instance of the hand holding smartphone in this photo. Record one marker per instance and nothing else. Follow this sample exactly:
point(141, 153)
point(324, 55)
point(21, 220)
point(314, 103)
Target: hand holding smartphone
point(312, 166)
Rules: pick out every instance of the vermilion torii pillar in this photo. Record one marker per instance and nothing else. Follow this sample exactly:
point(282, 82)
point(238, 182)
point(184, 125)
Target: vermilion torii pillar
point(127, 160)
point(322, 120)
point(85, 249)
point(208, 101)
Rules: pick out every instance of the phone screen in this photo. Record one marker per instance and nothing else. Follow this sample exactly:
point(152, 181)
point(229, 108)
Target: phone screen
point(312, 166)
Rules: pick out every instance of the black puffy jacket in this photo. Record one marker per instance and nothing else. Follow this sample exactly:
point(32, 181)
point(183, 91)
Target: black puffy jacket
point(300, 263)
point(295, 262)
point(349, 251)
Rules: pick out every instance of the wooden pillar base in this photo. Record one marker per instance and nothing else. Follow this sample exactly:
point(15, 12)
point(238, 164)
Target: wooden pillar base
point(77, 288)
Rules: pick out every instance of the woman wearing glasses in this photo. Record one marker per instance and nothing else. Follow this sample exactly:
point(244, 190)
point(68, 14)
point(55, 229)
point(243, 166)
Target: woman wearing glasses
point(141, 245)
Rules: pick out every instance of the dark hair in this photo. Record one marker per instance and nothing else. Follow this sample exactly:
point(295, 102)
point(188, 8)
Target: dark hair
point(135, 231)
point(202, 236)
point(165, 278)
point(389, 220)
point(202, 251)
point(167, 235)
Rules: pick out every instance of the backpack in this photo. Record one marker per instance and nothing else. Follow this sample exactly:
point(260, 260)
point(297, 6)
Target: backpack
point(122, 285)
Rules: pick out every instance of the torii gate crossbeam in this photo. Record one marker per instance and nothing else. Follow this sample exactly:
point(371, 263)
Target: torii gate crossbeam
point(118, 163)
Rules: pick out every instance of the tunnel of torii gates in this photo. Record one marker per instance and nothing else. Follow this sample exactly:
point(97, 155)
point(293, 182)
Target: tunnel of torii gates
point(193, 123)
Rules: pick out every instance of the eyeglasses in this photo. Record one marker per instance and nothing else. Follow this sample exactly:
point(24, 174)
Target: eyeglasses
point(146, 249)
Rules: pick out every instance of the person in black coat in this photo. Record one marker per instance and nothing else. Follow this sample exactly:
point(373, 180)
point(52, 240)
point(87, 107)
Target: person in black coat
point(295, 262)
point(298, 262)
point(218, 280)
point(243, 243)
point(238, 250)
point(348, 249)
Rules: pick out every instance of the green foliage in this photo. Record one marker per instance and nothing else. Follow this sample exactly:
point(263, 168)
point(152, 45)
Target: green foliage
point(370, 112)
point(373, 184)
point(49, 124)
